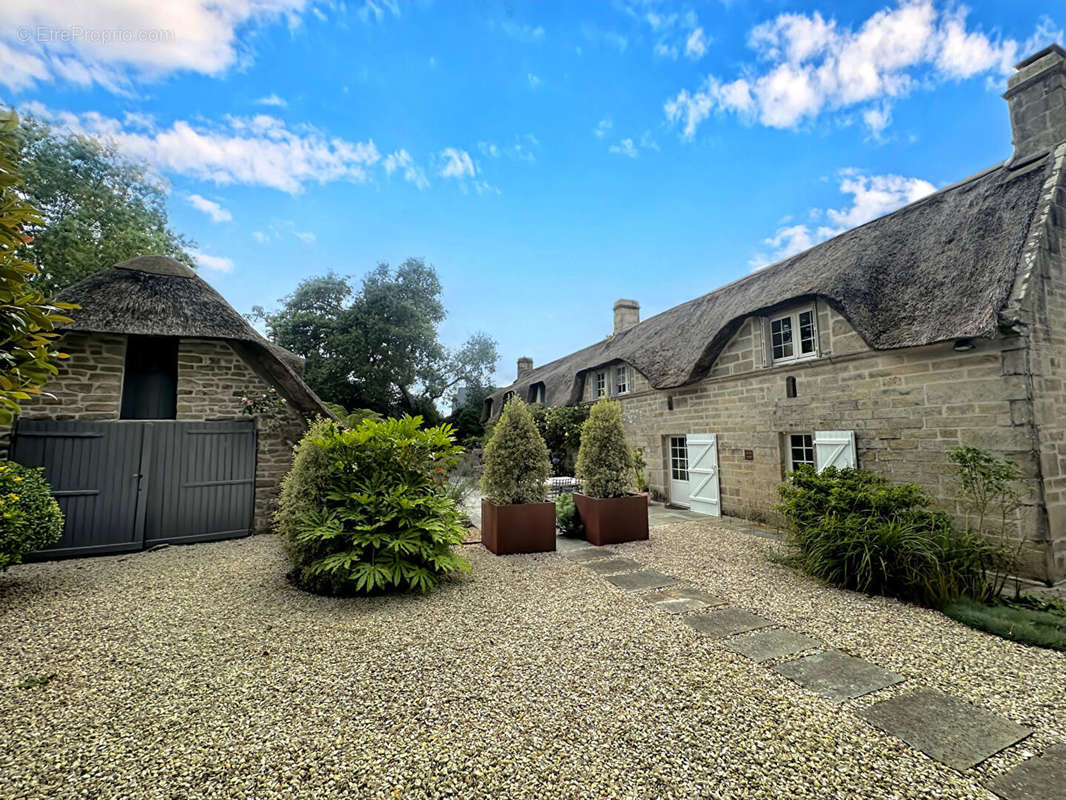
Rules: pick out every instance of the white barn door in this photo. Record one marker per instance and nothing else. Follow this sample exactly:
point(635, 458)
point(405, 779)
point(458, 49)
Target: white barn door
point(835, 449)
point(704, 494)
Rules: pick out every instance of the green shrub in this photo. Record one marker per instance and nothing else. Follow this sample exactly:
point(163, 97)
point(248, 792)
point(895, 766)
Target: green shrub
point(561, 428)
point(988, 483)
point(1038, 626)
point(854, 530)
point(363, 510)
point(515, 458)
point(30, 518)
point(566, 517)
point(604, 462)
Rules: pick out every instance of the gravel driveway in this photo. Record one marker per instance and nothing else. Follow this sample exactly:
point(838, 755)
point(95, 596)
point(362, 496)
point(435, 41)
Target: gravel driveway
point(198, 672)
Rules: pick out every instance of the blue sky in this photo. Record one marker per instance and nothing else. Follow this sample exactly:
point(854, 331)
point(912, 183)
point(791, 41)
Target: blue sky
point(547, 158)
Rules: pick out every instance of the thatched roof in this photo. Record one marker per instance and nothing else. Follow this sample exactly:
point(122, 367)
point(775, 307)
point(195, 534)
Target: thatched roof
point(938, 269)
point(158, 296)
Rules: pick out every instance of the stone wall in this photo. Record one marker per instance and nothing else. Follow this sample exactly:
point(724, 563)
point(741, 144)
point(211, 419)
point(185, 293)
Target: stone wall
point(212, 378)
point(908, 408)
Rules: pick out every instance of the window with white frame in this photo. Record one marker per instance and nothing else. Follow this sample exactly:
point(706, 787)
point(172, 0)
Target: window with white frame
point(794, 336)
point(679, 458)
point(599, 384)
point(800, 450)
point(621, 379)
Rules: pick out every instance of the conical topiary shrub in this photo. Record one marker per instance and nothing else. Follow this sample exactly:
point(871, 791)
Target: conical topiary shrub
point(604, 460)
point(515, 458)
point(514, 516)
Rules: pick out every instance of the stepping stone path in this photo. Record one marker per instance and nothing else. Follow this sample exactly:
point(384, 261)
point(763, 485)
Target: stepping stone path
point(836, 676)
point(767, 645)
point(951, 731)
point(726, 622)
point(612, 566)
point(682, 599)
point(954, 733)
point(641, 581)
point(1040, 778)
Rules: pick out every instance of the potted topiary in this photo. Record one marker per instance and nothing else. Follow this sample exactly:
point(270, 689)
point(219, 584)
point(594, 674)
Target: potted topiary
point(514, 515)
point(608, 511)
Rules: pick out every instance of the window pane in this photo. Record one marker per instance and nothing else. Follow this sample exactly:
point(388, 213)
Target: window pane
point(801, 449)
point(808, 343)
point(781, 337)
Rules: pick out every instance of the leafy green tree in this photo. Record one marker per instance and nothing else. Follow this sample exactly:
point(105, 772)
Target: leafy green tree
point(377, 347)
point(466, 419)
point(96, 207)
point(515, 458)
point(27, 319)
point(604, 461)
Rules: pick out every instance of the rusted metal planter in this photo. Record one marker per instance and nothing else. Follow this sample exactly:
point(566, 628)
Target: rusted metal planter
point(519, 528)
point(612, 520)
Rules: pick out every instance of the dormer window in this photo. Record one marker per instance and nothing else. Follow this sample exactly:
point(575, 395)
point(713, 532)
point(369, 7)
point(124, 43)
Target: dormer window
point(536, 393)
point(794, 336)
point(621, 379)
point(599, 385)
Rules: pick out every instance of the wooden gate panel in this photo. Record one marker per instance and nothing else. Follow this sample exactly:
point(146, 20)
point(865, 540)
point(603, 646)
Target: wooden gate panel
point(93, 469)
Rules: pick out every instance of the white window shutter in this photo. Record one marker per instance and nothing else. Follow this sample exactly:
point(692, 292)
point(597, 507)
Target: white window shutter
point(834, 449)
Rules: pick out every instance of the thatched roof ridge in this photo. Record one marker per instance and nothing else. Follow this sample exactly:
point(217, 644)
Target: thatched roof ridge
point(158, 296)
point(941, 268)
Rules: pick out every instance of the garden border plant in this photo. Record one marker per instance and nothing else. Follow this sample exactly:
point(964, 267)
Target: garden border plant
point(363, 511)
point(515, 518)
point(609, 512)
point(30, 518)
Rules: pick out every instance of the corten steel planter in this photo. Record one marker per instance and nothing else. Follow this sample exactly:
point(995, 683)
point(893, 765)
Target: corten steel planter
point(612, 520)
point(518, 528)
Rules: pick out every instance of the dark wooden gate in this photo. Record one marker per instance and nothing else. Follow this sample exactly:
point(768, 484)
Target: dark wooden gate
point(127, 485)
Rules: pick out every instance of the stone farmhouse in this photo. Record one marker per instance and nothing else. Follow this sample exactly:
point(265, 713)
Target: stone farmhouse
point(940, 324)
point(144, 434)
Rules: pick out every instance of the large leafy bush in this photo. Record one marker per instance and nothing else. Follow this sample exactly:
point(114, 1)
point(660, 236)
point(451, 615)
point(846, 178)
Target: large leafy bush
point(852, 529)
point(604, 462)
point(27, 318)
point(515, 458)
point(30, 518)
point(561, 428)
point(363, 510)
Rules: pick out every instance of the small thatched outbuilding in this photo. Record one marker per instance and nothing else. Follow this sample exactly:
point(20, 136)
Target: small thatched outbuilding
point(146, 435)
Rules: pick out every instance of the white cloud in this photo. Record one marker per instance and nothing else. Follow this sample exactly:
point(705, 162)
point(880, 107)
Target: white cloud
point(871, 196)
point(209, 207)
point(603, 127)
point(696, 44)
point(534, 81)
point(271, 100)
point(810, 65)
point(216, 263)
point(521, 150)
point(281, 228)
point(529, 34)
point(377, 10)
point(648, 142)
point(252, 151)
point(117, 42)
point(260, 237)
point(412, 173)
point(624, 148)
point(457, 164)
point(877, 118)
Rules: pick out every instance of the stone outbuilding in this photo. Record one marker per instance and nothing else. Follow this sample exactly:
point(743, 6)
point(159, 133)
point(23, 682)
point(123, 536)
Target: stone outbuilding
point(940, 324)
point(144, 433)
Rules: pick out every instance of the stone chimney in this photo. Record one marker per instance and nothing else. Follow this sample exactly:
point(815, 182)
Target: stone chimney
point(525, 366)
point(1036, 95)
point(626, 314)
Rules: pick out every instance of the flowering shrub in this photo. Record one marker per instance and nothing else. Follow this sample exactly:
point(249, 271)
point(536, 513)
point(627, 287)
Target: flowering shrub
point(30, 518)
point(270, 407)
point(364, 510)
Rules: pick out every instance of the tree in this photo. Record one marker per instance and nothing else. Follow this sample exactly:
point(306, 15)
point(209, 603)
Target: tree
point(604, 460)
point(515, 458)
point(466, 419)
point(27, 319)
point(96, 207)
point(377, 347)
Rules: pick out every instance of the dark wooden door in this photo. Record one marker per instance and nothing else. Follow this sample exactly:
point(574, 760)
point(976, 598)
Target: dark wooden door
point(94, 469)
point(126, 485)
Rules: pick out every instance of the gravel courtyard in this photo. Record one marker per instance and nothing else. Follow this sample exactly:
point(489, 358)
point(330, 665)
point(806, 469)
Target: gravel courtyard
point(198, 672)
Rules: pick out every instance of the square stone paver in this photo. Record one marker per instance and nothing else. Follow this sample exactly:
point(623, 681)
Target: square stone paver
point(1036, 779)
point(836, 676)
point(726, 621)
point(641, 581)
point(589, 554)
point(953, 732)
point(765, 645)
point(567, 544)
point(612, 566)
point(681, 599)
